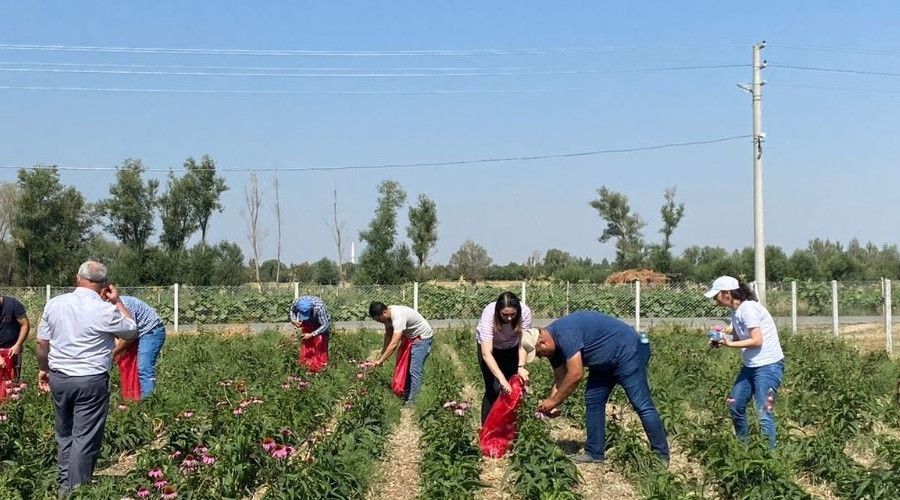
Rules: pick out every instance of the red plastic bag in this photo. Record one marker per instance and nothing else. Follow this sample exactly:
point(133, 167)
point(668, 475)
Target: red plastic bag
point(401, 369)
point(7, 372)
point(502, 423)
point(128, 373)
point(313, 351)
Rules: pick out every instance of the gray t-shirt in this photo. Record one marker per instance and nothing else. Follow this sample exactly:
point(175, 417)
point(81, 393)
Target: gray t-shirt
point(410, 322)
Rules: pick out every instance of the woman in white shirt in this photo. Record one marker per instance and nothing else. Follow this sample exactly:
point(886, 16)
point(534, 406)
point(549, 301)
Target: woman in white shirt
point(755, 334)
point(500, 353)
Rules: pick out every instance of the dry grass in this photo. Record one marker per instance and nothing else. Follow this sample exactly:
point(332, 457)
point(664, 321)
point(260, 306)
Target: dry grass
point(397, 476)
point(597, 480)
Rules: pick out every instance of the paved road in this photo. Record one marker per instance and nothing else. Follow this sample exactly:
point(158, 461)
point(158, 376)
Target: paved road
point(817, 322)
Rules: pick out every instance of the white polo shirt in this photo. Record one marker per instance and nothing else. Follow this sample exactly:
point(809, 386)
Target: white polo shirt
point(82, 329)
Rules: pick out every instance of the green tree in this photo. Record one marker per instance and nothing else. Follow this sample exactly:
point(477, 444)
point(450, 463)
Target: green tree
point(205, 189)
point(50, 226)
point(176, 212)
point(130, 208)
point(671, 213)
point(382, 261)
point(621, 224)
point(556, 259)
point(471, 261)
point(9, 194)
point(422, 230)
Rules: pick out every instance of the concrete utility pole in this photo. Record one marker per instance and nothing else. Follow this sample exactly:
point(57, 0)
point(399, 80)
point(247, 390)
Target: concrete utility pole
point(755, 90)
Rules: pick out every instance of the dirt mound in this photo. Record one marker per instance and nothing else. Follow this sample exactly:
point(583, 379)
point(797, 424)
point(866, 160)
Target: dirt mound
point(645, 276)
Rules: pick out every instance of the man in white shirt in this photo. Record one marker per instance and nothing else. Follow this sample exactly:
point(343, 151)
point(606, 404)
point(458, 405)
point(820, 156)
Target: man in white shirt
point(403, 321)
point(75, 342)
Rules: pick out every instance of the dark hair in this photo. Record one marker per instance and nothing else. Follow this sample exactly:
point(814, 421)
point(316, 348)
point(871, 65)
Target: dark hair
point(376, 309)
point(508, 299)
point(743, 292)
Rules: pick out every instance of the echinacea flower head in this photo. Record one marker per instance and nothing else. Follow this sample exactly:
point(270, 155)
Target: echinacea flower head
point(169, 493)
point(142, 492)
point(209, 460)
point(160, 484)
point(283, 452)
point(268, 444)
point(189, 462)
point(155, 473)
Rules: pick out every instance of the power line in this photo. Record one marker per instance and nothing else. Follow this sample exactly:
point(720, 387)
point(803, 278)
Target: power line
point(846, 50)
point(417, 165)
point(835, 70)
point(354, 53)
point(38, 88)
point(371, 75)
point(840, 89)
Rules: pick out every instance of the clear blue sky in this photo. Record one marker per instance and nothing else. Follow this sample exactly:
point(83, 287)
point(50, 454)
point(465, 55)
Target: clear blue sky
point(830, 158)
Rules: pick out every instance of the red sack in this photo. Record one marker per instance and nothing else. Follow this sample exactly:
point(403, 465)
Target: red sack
point(313, 351)
point(128, 373)
point(502, 423)
point(401, 369)
point(7, 373)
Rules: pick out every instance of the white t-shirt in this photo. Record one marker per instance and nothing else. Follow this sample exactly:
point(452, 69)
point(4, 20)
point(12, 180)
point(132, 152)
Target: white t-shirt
point(410, 322)
point(751, 314)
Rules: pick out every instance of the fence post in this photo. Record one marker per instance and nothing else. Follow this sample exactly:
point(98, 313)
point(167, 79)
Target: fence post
point(888, 318)
point(794, 307)
point(416, 295)
point(175, 309)
point(835, 327)
point(637, 305)
point(523, 292)
point(296, 290)
point(48, 294)
point(567, 297)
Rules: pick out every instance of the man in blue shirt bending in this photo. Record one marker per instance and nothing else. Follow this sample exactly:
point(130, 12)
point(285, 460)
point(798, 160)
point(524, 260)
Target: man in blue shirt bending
point(613, 352)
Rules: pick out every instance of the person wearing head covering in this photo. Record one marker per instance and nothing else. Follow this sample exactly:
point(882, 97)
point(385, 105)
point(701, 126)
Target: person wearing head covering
point(755, 334)
point(310, 316)
point(613, 353)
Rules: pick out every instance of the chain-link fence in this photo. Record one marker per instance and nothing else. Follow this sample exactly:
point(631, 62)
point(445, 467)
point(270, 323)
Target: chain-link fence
point(862, 311)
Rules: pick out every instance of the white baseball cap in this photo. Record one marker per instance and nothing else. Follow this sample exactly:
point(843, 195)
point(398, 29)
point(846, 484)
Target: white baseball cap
point(722, 284)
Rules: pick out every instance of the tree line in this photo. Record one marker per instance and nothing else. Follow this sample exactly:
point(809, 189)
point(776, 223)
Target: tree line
point(47, 228)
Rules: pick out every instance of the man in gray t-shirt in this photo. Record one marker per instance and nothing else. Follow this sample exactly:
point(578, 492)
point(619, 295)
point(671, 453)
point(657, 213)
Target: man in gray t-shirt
point(402, 321)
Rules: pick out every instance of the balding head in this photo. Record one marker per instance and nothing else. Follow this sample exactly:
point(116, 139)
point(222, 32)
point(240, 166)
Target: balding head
point(92, 274)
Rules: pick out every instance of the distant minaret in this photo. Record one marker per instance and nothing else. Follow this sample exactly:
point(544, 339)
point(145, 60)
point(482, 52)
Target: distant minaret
point(352, 252)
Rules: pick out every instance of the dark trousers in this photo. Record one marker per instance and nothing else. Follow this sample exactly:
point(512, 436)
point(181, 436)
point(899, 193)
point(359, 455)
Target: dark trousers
point(508, 361)
point(81, 405)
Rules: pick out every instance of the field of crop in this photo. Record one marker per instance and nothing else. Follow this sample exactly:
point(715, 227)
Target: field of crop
point(235, 418)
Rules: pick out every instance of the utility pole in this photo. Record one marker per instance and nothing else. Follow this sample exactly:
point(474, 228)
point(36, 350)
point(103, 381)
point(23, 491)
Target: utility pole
point(759, 245)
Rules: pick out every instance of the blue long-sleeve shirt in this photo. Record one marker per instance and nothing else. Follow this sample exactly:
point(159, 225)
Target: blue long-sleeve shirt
point(319, 313)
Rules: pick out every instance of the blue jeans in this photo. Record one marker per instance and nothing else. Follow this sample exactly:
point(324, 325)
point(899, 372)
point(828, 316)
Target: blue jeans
point(419, 353)
point(149, 346)
point(631, 374)
point(757, 383)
